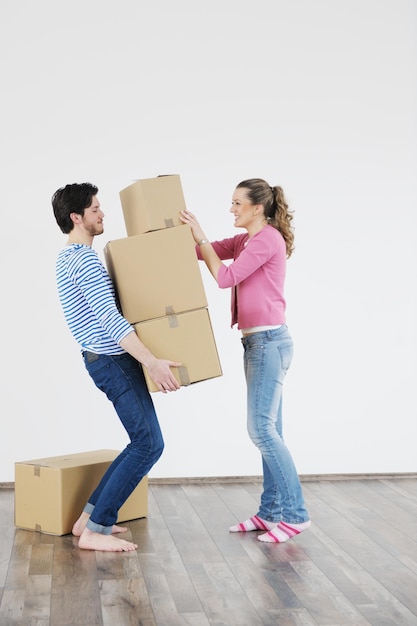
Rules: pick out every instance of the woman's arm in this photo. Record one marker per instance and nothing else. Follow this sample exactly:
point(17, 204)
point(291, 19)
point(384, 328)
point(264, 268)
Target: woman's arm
point(208, 254)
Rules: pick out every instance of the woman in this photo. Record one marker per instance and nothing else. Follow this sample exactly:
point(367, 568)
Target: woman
point(257, 276)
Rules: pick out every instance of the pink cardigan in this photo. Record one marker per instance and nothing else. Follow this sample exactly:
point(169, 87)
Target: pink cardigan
point(258, 273)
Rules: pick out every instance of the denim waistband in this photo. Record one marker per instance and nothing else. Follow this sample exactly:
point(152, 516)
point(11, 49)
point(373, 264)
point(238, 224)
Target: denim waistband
point(266, 335)
point(90, 357)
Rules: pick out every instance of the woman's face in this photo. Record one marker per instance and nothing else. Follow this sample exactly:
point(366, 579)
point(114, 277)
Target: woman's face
point(242, 208)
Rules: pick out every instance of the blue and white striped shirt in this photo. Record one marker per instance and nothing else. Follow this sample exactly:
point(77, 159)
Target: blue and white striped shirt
point(88, 300)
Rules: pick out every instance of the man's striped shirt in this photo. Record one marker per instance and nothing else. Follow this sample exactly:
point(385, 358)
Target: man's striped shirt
point(88, 301)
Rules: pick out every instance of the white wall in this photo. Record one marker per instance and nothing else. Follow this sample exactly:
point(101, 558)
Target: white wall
point(318, 96)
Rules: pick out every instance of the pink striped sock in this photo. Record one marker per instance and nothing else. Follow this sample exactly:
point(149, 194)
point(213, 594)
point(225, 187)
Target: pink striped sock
point(284, 531)
point(253, 523)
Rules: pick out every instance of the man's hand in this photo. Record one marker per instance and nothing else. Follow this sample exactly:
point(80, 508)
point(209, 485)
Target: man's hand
point(161, 373)
point(159, 369)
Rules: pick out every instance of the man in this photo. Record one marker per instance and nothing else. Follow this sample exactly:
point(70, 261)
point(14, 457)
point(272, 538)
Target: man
point(113, 356)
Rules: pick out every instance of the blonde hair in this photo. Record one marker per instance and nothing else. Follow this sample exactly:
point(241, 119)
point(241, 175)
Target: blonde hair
point(275, 206)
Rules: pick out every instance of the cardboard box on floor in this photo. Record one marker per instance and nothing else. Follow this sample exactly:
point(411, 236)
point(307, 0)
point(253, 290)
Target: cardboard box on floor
point(152, 204)
point(51, 493)
point(186, 338)
point(156, 274)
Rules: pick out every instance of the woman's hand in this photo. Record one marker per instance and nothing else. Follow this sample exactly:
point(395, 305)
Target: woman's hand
point(191, 220)
point(208, 254)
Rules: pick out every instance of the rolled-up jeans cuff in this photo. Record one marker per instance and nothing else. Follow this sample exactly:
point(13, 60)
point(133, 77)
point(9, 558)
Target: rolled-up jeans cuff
point(89, 508)
point(96, 528)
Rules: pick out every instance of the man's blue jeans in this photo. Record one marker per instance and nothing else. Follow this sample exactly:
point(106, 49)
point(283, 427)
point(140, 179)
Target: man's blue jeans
point(121, 378)
point(267, 357)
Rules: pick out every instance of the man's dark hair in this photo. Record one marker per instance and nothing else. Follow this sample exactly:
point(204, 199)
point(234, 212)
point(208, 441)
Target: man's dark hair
point(74, 198)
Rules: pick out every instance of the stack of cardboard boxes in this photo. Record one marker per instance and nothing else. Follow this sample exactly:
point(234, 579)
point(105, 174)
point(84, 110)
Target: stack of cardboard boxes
point(158, 281)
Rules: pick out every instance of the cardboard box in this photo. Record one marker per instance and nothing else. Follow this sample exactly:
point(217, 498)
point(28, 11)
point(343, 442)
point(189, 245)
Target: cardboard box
point(51, 493)
point(186, 338)
point(152, 204)
point(156, 274)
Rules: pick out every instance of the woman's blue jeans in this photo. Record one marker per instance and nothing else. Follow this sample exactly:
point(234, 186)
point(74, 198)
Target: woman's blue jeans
point(267, 357)
point(121, 378)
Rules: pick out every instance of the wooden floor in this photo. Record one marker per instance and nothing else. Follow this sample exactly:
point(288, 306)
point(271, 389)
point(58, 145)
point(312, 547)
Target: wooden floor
point(356, 565)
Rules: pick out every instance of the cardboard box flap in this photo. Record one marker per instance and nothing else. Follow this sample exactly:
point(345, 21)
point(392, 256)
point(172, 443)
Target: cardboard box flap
point(72, 460)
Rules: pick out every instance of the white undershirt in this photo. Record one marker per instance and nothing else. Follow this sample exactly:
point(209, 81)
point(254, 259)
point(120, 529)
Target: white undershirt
point(258, 329)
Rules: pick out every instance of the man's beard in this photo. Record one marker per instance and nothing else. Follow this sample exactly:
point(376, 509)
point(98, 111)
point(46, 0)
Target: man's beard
point(96, 229)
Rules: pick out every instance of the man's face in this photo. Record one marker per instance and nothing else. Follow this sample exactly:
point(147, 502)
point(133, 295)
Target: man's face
point(92, 219)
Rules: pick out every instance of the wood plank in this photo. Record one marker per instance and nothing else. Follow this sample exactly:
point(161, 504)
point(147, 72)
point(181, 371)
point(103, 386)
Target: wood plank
point(126, 602)
point(122, 588)
point(240, 501)
point(37, 601)
point(397, 534)
point(222, 598)
point(161, 562)
point(384, 573)
point(220, 594)
point(7, 532)
point(26, 598)
point(41, 559)
point(75, 595)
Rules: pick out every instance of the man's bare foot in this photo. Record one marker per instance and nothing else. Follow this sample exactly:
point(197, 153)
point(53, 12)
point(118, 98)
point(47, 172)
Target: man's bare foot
point(81, 522)
point(105, 543)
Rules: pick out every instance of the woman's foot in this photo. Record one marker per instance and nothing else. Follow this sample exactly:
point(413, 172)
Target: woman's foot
point(81, 523)
point(253, 523)
point(284, 531)
point(104, 543)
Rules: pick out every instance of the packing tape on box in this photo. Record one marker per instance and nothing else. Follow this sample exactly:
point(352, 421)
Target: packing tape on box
point(183, 374)
point(173, 321)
